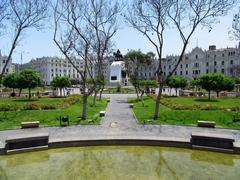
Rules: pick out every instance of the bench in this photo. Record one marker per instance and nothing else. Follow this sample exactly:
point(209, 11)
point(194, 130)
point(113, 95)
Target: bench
point(102, 113)
point(207, 124)
point(212, 141)
point(23, 143)
point(236, 118)
point(34, 124)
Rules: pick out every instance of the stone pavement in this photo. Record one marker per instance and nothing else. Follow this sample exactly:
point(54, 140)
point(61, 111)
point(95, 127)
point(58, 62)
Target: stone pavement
point(119, 123)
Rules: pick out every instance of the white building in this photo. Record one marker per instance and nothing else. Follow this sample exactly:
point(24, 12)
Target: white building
point(199, 62)
point(117, 73)
point(3, 61)
point(50, 67)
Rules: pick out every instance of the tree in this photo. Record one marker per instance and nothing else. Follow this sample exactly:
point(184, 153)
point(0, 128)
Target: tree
point(102, 18)
point(237, 80)
point(61, 83)
point(215, 82)
point(133, 61)
point(24, 15)
point(83, 29)
point(29, 79)
point(228, 84)
point(73, 37)
point(235, 32)
point(4, 7)
point(145, 86)
point(176, 82)
point(151, 18)
point(11, 81)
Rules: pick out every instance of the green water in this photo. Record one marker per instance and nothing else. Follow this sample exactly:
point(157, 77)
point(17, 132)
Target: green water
point(120, 162)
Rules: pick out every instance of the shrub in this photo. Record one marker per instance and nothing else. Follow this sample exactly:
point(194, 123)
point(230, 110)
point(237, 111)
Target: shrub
point(69, 101)
point(8, 107)
point(119, 88)
point(32, 106)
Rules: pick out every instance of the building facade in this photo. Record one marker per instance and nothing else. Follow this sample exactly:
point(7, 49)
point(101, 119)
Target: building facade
point(143, 71)
point(3, 61)
point(199, 62)
point(50, 67)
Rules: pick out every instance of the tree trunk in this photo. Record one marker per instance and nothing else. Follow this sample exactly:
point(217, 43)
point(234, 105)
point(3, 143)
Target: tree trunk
point(176, 91)
point(84, 107)
point(142, 93)
point(101, 91)
point(95, 98)
point(157, 105)
point(20, 91)
point(217, 93)
point(137, 92)
point(209, 95)
point(29, 93)
point(170, 91)
point(60, 92)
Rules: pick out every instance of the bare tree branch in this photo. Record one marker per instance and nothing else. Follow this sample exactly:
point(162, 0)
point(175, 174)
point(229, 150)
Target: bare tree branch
point(25, 14)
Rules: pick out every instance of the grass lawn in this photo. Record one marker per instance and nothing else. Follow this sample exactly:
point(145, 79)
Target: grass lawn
point(167, 115)
point(13, 119)
point(123, 90)
point(218, 102)
point(20, 101)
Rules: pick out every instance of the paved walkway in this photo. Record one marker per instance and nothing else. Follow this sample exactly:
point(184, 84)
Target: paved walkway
point(119, 123)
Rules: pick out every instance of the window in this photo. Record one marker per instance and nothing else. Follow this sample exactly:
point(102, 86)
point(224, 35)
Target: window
point(222, 63)
point(215, 70)
point(180, 72)
point(169, 66)
point(186, 72)
point(207, 64)
point(196, 64)
point(222, 71)
point(186, 65)
point(207, 71)
point(215, 63)
point(113, 78)
point(231, 62)
point(181, 66)
point(175, 72)
point(223, 55)
point(196, 56)
point(4, 61)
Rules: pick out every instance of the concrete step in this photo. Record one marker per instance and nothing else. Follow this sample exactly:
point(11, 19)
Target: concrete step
point(230, 151)
point(37, 148)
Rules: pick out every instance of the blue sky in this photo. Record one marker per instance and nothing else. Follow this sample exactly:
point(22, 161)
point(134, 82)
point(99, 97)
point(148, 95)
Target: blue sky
point(40, 43)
